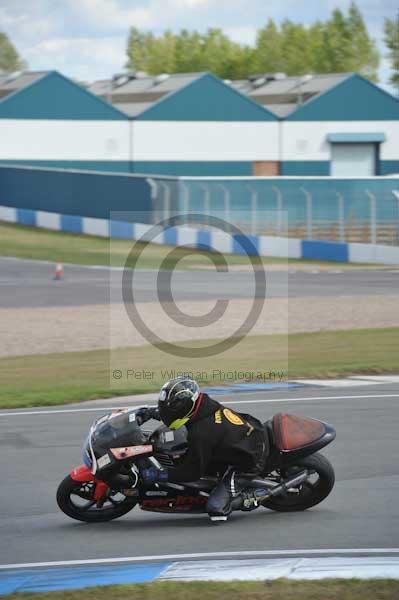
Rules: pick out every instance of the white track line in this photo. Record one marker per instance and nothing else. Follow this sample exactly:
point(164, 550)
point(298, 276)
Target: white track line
point(208, 555)
point(256, 401)
point(70, 265)
point(52, 262)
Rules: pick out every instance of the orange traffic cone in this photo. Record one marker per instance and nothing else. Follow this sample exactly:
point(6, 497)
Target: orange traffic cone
point(59, 272)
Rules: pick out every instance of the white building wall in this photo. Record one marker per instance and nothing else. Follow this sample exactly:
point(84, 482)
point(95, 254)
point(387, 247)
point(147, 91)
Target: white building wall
point(307, 140)
point(22, 139)
point(204, 141)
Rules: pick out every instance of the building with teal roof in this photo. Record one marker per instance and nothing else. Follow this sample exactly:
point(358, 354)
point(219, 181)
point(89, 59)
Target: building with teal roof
point(195, 124)
point(350, 128)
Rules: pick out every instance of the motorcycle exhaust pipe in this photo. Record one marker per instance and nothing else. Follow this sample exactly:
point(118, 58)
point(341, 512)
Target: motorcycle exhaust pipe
point(282, 487)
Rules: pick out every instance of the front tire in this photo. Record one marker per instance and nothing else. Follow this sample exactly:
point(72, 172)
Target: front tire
point(75, 499)
point(311, 492)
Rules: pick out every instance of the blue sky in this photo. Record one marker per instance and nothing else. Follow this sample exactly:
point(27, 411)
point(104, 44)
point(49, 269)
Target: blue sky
point(86, 39)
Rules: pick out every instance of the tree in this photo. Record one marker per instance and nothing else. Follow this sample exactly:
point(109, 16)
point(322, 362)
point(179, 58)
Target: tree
point(161, 54)
point(364, 54)
point(9, 58)
point(391, 29)
point(337, 41)
point(189, 52)
point(340, 44)
point(268, 56)
point(137, 50)
point(317, 48)
point(343, 44)
point(218, 53)
point(295, 48)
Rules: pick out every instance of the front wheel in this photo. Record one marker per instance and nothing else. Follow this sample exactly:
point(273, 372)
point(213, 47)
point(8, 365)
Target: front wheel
point(313, 491)
point(76, 499)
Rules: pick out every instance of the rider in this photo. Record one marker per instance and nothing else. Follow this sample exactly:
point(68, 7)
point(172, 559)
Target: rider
point(219, 440)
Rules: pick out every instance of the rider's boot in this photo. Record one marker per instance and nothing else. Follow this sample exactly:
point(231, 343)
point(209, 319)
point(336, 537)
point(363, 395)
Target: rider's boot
point(220, 501)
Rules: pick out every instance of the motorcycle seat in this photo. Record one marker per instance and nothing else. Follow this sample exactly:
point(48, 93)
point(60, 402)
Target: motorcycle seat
point(269, 431)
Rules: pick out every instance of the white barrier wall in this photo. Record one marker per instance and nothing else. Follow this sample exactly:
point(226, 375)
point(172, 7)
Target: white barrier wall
point(373, 253)
point(217, 240)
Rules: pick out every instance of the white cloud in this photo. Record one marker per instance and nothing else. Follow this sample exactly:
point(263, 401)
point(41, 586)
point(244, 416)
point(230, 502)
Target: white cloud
point(365, 6)
point(9, 20)
point(242, 34)
point(122, 14)
point(110, 14)
point(191, 3)
point(82, 58)
point(25, 25)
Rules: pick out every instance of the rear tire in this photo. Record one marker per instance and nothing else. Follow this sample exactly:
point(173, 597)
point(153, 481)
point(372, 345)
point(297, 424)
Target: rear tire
point(71, 492)
point(308, 494)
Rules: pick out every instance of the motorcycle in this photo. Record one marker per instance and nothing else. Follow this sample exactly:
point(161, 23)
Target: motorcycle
point(109, 484)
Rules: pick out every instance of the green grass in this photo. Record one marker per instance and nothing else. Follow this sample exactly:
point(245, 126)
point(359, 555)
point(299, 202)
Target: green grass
point(50, 379)
point(283, 589)
point(55, 246)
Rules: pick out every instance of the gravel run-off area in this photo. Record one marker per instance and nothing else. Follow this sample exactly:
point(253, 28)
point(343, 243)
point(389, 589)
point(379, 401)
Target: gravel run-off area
point(45, 330)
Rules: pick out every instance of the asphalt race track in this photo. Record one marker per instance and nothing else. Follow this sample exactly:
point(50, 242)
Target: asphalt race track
point(25, 283)
point(39, 448)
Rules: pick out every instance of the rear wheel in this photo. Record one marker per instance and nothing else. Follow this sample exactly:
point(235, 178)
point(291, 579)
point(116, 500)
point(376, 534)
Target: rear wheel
point(76, 499)
point(313, 491)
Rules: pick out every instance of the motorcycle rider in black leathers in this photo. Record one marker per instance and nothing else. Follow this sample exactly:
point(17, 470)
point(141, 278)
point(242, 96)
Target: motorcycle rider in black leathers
point(219, 441)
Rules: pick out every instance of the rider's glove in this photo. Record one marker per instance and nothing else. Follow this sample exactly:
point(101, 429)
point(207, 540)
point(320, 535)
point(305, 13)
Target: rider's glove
point(154, 475)
point(146, 413)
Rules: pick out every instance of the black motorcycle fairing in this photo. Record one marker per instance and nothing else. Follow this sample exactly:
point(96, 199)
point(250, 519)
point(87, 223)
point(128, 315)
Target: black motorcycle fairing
point(113, 430)
point(175, 503)
point(190, 497)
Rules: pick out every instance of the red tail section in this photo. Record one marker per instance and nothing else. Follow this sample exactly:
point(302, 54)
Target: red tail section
point(292, 432)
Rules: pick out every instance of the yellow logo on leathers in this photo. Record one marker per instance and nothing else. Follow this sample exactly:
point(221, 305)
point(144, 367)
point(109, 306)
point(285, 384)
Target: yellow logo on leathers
point(232, 417)
point(218, 417)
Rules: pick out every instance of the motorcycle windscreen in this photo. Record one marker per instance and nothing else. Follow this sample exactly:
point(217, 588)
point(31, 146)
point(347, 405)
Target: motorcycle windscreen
point(115, 430)
point(292, 432)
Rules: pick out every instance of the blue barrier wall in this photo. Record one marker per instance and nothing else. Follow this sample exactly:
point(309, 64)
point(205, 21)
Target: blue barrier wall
point(90, 194)
point(74, 192)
